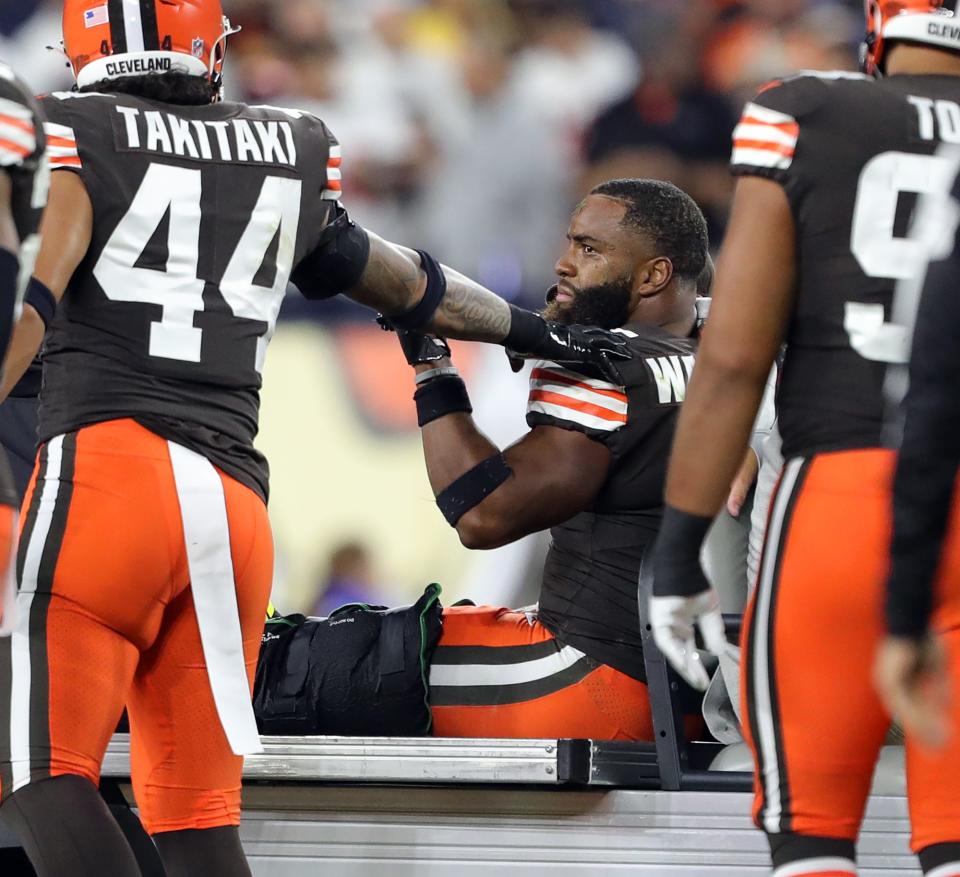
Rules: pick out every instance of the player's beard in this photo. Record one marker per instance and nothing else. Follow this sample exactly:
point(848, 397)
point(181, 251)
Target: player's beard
point(606, 305)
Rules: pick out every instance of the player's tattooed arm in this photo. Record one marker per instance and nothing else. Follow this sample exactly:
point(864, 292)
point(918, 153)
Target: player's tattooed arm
point(469, 310)
point(394, 282)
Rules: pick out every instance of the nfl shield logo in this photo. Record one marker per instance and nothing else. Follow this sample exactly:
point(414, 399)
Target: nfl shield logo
point(198, 46)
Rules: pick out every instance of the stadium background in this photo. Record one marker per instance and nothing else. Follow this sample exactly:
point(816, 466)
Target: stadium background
point(469, 128)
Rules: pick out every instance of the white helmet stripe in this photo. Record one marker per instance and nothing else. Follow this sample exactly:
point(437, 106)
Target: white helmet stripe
point(133, 25)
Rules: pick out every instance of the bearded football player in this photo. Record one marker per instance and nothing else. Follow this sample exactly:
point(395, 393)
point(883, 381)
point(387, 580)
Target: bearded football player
point(175, 222)
point(591, 470)
point(828, 167)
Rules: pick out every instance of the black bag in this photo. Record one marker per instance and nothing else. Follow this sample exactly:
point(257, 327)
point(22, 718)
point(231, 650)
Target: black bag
point(361, 672)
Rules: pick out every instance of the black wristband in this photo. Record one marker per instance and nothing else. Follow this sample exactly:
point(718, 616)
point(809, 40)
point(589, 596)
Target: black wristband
point(471, 488)
point(419, 315)
point(41, 300)
point(909, 602)
point(9, 278)
point(526, 330)
point(676, 557)
point(441, 396)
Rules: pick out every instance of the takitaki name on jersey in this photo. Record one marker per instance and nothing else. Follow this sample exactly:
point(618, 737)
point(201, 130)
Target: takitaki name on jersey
point(257, 141)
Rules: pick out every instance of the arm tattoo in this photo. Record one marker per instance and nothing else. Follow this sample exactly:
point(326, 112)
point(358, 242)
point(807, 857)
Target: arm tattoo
point(471, 312)
point(393, 282)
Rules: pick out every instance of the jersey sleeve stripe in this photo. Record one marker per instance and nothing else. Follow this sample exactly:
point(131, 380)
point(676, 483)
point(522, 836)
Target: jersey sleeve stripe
point(765, 138)
point(765, 115)
point(16, 110)
point(55, 130)
point(787, 127)
point(20, 124)
point(572, 404)
point(12, 148)
point(62, 146)
point(766, 158)
point(561, 412)
point(62, 143)
point(11, 157)
point(68, 161)
point(766, 134)
point(578, 396)
point(553, 370)
point(543, 377)
point(778, 148)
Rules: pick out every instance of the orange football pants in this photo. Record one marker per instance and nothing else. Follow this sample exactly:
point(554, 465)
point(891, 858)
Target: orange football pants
point(106, 619)
point(499, 673)
point(815, 722)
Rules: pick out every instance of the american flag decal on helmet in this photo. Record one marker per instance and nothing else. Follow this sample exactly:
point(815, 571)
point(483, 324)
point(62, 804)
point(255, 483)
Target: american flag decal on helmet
point(765, 138)
point(96, 16)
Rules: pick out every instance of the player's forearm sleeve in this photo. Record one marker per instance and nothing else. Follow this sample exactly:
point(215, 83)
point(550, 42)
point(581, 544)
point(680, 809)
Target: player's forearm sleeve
point(930, 453)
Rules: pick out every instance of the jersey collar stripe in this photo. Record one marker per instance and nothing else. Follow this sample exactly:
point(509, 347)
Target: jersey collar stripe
point(133, 24)
point(949, 870)
point(118, 29)
point(148, 19)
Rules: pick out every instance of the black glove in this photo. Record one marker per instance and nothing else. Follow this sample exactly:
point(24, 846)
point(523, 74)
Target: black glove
point(417, 347)
point(579, 345)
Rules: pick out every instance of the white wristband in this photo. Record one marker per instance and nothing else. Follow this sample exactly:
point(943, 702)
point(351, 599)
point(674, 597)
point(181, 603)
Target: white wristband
point(423, 377)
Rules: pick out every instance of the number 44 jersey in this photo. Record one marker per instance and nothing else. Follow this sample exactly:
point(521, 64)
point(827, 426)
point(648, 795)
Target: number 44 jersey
point(200, 215)
point(853, 155)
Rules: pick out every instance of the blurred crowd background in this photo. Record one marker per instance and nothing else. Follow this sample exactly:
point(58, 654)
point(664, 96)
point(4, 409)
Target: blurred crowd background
point(469, 128)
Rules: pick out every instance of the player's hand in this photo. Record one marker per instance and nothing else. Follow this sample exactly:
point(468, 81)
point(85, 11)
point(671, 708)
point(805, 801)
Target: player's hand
point(673, 620)
point(911, 678)
point(581, 345)
point(682, 596)
point(742, 483)
point(418, 348)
